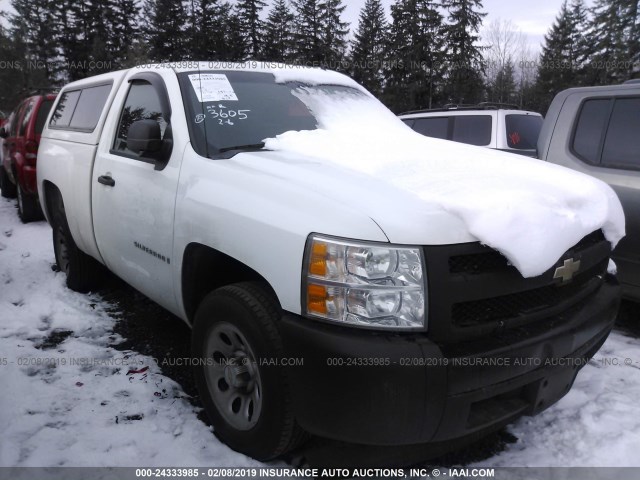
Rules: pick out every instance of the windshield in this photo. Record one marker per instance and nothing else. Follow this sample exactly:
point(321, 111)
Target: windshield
point(227, 109)
point(523, 131)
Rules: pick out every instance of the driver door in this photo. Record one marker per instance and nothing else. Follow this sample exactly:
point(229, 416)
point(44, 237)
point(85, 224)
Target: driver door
point(134, 193)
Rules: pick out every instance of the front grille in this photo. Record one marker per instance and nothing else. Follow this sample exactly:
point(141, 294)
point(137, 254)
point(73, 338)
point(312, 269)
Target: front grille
point(523, 303)
point(474, 291)
point(478, 263)
point(492, 261)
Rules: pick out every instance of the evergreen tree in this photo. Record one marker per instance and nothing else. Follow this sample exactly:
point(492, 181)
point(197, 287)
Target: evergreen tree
point(615, 38)
point(12, 77)
point(278, 45)
point(251, 26)
point(33, 23)
point(559, 67)
point(581, 50)
point(233, 48)
point(464, 56)
point(308, 39)
point(368, 54)
point(503, 88)
point(415, 71)
point(320, 36)
point(205, 30)
point(123, 32)
point(334, 34)
point(166, 30)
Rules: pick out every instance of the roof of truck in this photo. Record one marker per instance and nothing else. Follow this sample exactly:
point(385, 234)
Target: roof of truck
point(282, 72)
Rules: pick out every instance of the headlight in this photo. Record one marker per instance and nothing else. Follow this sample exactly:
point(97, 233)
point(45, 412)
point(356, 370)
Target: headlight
point(364, 284)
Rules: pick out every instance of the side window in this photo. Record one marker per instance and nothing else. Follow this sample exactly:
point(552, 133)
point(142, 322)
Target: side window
point(89, 107)
point(472, 129)
point(28, 110)
point(622, 144)
point(64, 110)
point(142, 103)
point(592, 121)
point(80, 109)
point(408, 122)
point(435, 127)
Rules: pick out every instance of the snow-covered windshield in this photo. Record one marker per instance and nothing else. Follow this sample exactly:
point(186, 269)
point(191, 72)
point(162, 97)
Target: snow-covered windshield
point(228, 109)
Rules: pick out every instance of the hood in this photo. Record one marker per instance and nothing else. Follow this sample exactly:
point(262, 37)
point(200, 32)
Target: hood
point(421, 190)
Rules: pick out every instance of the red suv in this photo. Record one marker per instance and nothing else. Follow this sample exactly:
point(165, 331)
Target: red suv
point(21, 137)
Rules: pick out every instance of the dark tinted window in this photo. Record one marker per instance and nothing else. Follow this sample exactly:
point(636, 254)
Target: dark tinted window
point(261, 109)
point(408, 122)
point(64, 110)
point(142, 104)
point(472, 129)
point(432, 127)
point(589, 129)
point(43, 111)
point(28, 111)
point(523, 131)
point(89, 107)
point(622, 145)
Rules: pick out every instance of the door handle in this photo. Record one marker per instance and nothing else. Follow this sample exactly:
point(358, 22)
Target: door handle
point(106, 180)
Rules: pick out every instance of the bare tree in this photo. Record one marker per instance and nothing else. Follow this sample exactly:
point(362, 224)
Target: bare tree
point(508, 51)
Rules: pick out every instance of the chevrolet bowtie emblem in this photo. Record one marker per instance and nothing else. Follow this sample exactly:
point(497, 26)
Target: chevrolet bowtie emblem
point(566, 271)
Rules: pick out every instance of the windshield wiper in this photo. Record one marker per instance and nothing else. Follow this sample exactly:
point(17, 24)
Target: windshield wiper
point(249, 146)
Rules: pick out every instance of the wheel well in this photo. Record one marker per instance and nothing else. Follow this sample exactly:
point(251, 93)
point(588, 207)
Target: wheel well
point(51, 194)
point(204, 269)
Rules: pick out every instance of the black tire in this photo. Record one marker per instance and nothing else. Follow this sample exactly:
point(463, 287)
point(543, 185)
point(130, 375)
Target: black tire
point(84, 273)
point(8, 189)
point(28, 206)
point(250, 309)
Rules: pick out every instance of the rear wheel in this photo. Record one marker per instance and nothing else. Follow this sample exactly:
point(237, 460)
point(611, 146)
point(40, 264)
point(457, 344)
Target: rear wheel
point(8, 189)
point(28, 206)
point(83, 272)
point(247, 401)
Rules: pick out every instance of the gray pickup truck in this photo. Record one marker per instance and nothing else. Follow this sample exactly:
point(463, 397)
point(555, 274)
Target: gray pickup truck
point(596, 130)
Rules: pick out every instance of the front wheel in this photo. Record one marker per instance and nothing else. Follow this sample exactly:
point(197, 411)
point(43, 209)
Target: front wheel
point(235, 342)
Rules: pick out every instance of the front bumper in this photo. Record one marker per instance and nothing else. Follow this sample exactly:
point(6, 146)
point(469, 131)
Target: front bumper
point(401, 389)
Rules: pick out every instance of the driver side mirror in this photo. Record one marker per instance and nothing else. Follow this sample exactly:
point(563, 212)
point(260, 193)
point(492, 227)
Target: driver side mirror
point(144, 136)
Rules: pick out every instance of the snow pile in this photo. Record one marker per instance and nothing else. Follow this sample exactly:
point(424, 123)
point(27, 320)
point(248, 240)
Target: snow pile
point(108, 408)
point(530, 211)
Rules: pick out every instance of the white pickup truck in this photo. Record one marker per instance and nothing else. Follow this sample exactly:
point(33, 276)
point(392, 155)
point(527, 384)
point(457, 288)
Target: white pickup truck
point(344, 276)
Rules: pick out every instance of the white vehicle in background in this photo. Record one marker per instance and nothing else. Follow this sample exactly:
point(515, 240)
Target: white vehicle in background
point(343, 276)
point(492, 125)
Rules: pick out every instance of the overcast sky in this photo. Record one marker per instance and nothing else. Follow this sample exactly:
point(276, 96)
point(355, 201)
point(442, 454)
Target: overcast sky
point(533, 18)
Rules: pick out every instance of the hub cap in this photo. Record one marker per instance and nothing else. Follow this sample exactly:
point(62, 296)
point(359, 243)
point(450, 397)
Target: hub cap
point(232, 376)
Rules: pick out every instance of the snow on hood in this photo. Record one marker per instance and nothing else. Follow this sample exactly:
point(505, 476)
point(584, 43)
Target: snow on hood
point(530, 211)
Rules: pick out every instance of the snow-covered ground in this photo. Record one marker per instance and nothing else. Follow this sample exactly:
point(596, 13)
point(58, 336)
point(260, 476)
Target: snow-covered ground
point(80, 402)
point(97, 411)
